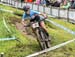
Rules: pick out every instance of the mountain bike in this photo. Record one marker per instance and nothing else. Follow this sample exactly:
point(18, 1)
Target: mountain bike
point(42, 36)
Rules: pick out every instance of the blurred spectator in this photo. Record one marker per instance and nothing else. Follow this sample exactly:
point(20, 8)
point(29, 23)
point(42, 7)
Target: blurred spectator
point(28, 1)
point(57, 3)
point(40, 2)
point(43, 2)
point(37, 2)
point(72, 4)
point(64, 2)
point(48, 2)
point(67, 5)
point(72, 1)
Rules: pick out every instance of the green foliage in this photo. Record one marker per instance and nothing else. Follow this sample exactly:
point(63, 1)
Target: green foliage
point(23, 42)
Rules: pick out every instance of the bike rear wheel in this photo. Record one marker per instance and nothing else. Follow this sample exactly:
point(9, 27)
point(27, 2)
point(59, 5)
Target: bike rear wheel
point(42, 38)
point(40, 41)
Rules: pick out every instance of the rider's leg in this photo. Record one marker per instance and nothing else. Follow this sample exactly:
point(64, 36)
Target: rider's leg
point(38, 18)
point(44, 26)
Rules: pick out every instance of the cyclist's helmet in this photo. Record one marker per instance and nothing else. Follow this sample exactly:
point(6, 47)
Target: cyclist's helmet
point(26, 8)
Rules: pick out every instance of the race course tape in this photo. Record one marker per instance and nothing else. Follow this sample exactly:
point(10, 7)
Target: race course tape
point(50, 49)
point(62, 27)
point(3, 39)
point(6, 25)
point(6, 10)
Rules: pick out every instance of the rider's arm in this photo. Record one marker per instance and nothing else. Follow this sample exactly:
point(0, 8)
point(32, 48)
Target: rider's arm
point(23, 18)
point(23, 22)
point(43, 14)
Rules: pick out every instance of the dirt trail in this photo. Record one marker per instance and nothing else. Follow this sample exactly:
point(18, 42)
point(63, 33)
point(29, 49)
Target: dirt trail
point(21, 28)
point(17, 23)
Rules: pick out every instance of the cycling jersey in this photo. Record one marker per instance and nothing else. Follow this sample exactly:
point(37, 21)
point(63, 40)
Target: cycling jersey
point(32, 13)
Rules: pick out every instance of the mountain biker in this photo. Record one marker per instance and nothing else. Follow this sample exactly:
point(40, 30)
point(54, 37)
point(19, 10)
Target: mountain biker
point(33, 15)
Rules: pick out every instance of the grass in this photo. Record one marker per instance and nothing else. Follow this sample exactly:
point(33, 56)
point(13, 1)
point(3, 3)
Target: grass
point(66, 51)
point(16, 11)
point(60, 36)
point(64, 23)
point(27, 45)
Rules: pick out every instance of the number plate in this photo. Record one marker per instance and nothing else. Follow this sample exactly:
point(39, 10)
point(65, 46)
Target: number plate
point(35, 25)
